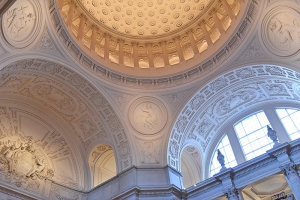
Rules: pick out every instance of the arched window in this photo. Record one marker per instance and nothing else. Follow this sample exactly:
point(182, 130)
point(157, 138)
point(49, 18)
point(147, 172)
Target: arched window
point(290, 119)
point(252, 134)
point(225, 148)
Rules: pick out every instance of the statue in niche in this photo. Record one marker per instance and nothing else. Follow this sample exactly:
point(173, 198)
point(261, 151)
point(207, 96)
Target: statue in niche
point(150, 118)
point(285, 29)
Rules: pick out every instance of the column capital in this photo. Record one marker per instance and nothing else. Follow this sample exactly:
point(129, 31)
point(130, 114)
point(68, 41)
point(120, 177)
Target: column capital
point(94, 26)
point(212, 11)
point(163, 42)
point(120, 40)
point(134, 43)
point(289, 169)
point(189, 31)
point(107, 35)
point(176, 38)
point(83, 16)
point(148, 44)
point(231, 193)
point(73, 2)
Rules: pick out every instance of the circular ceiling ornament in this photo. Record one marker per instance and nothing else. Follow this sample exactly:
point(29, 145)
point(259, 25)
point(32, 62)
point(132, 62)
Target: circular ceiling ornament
point(21, 23)
point(281, 31)
point(148, 115)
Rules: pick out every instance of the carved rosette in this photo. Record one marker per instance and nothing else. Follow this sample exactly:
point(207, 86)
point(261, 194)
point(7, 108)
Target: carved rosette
point(281, 31)
point(21, 23)
point(148, 115)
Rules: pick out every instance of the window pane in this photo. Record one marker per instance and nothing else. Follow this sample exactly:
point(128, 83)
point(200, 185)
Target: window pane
point(290, 119)
point(225, 148)
point(255, 140)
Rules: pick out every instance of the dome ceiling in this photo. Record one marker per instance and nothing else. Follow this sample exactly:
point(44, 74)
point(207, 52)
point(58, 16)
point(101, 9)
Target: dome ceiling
point(147, 38)
point(145, 18)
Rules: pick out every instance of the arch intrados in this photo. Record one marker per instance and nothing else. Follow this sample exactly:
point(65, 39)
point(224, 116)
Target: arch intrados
point(172, 141)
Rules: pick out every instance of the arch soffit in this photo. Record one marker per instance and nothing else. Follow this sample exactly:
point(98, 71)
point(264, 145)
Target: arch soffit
point(193, 150)
point(81, 92)
point(225, 96)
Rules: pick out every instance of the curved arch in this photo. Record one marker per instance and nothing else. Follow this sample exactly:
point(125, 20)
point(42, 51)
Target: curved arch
point(49, 136)
point(224, 97)
point(226, 126)
point(191, 165)
point(102, 164)
point(80, 93)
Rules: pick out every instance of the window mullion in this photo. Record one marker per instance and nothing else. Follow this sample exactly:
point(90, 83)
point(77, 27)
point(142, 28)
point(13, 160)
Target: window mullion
point(235, 144)
point(277, 125)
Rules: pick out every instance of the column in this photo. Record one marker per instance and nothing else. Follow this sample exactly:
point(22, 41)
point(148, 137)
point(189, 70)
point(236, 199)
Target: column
point(106, 46)
point(292, 177)
point(179, 48)
point(235, 144)
point(193, 42)
point(60, 4)
point(164, 52)
point(81, 26)
point(93, 38)
point(217, 21)
point(228, 9)
point(70, 14)
point(121, 51)
point(277, 125)
point(205, 33)
point(135, 54)
point(150, 55)
point(229, 188)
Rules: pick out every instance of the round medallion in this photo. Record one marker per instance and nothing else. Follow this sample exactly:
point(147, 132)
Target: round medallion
point(148, 115)
point(281, 31)
point(20, 23)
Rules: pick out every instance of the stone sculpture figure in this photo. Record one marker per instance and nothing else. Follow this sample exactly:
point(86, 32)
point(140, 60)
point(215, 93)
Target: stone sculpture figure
point(150, 118)
point(38, 167)
point(7, 157)
point(272, 135)
point(17, 20)
point(221, 160)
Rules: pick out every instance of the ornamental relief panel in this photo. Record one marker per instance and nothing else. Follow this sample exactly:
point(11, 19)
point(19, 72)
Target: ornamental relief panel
point(72, 97)
point(281, 33)
point(234, 100)
point(21, 23)
point(247, 86)
point(42, 147)
point(56, 97)
point(22, 164)
point(32, 151)
point(150, 152)
point(147, 115)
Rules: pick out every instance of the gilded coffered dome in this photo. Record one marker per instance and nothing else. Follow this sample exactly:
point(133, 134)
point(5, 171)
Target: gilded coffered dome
point(145, 38)
point(145, 17)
